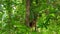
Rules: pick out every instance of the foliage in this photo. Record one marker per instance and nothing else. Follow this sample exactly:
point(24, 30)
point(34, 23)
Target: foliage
point(13, 12)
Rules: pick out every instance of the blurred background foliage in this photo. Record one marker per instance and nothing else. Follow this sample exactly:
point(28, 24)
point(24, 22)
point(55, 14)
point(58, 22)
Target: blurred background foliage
point(13, 12)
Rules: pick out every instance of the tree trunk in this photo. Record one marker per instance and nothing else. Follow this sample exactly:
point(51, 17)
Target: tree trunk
point(27, 12)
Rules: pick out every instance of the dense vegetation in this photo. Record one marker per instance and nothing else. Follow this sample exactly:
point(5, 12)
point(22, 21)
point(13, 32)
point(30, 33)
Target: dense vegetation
point(13, 15)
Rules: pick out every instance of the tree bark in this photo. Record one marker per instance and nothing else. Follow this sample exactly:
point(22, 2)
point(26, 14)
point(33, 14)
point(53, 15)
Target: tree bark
point(27, 12)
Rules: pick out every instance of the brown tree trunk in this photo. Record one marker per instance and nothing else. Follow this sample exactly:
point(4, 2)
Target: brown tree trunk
point(27, 12)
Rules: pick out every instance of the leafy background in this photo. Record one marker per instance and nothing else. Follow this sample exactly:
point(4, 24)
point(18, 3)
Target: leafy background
point(12, 16)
